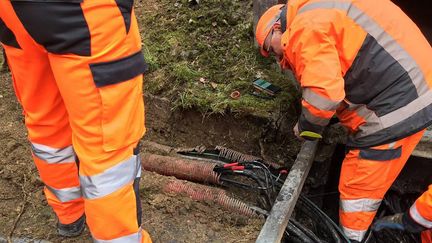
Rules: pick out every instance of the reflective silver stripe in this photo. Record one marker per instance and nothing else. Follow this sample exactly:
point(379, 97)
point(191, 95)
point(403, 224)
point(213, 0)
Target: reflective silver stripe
point(360, 205)
point(373, 122)
point(418, 218)
point(133, 238)
point(66, 194)
point(392, 145)
point(54, 155)
point(381, 36)
point(110, 180)
point(392, 47)
point(416, 105)
point(314, 119)
point(138, 175)
point(319, 101)
point(357, 235)
point(325, 5)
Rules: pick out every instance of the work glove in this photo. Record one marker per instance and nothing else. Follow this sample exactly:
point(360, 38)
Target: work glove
point(400, 221)
point(308, 135)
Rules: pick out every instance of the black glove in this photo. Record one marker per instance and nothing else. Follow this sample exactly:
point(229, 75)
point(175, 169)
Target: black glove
point(400, 221)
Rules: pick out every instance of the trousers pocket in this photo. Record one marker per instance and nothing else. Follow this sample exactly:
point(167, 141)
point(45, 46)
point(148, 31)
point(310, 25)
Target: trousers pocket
point(126, 7)
point(372, 169)
point(122, 101)
point(380, 154)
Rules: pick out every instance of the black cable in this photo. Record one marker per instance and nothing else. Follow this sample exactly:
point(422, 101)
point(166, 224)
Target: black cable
point(239, 184)
point(266, 172)
point(292, 229)
point(246, 174)
point(335, 232)
point(315, 212)
point(266, 180)
point(334, 229)
point(258, 181)
point(307, 232)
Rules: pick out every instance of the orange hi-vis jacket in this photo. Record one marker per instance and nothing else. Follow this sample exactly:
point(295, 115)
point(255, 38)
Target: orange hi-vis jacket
point(364, 61)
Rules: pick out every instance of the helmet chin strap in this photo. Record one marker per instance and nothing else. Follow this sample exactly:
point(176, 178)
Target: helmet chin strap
point(283, 18)
point(284, 64)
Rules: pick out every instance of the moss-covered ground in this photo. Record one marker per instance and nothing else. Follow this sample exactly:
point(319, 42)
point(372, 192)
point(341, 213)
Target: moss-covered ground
point(199, 53)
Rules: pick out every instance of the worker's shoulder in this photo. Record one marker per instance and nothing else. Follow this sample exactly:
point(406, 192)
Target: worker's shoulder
point(321, 23)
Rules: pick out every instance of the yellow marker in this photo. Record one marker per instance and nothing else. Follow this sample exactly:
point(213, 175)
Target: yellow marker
point(310, 134)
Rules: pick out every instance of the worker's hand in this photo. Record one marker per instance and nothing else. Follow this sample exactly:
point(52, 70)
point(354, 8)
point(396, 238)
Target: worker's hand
point(400, 221)
point(305, 134)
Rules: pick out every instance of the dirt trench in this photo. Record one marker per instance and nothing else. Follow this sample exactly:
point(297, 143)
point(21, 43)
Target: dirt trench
point(172, 218)
point(24, 211)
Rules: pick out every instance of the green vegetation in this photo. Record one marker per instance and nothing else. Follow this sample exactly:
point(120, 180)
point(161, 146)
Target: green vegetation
point(199, 53)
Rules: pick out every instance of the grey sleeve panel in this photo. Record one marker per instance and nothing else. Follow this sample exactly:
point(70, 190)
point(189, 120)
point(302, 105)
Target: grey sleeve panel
point(375, 78)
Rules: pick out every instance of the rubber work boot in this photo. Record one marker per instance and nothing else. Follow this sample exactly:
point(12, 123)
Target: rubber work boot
point(71, 230)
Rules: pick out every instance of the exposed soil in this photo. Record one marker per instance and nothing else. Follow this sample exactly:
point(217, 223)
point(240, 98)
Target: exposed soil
point(24, 210)
point(171, 218)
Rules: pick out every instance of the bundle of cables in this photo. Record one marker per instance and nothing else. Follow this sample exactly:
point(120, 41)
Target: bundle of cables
point(268, 182)
point(253, 174)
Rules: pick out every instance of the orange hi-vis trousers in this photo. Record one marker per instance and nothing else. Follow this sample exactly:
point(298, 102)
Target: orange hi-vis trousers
point(421, 212)
point(366, 176)
point(426, 236)
point(77, 71)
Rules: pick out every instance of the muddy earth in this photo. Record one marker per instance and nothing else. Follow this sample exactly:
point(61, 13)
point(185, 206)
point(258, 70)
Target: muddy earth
point(24, 211)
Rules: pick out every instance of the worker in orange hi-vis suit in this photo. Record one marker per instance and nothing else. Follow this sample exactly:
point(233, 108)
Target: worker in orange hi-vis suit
point(367, 63)
point(77, 70)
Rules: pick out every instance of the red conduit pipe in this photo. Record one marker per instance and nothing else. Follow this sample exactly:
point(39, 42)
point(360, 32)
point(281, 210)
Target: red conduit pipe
point(209, 194)
point(185, 169)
